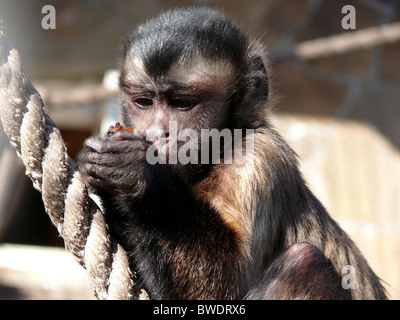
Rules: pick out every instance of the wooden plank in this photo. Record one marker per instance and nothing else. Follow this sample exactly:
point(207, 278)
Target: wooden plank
point(32, 272)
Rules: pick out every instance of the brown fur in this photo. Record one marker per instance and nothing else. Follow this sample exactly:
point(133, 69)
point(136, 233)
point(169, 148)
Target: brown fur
point(251, 200)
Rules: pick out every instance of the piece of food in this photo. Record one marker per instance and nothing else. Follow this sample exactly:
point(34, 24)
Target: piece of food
point(120, 127)
point(113, 129)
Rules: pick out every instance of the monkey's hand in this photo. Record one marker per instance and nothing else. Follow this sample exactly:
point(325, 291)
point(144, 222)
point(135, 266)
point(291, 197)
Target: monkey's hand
point(115, 164)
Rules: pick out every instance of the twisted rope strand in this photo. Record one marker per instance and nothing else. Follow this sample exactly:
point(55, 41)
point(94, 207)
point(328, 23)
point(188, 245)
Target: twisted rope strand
point(78, 219)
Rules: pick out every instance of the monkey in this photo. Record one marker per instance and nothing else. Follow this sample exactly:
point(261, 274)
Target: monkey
point(213, 229)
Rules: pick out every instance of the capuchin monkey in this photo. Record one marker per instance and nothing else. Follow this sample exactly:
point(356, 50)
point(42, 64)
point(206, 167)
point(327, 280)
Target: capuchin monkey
point(209, 228)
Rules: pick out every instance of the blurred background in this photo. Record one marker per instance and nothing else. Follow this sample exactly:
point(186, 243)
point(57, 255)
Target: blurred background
point(339, 108)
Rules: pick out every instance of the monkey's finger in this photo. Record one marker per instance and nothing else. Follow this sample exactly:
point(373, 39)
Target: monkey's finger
point(122, 135)
point(125, 148)
point(99, 146)
point(90, 176)
point(108, 160)
point(93, 144)
point(93, 170)
point(102, 176)
point(119, 147)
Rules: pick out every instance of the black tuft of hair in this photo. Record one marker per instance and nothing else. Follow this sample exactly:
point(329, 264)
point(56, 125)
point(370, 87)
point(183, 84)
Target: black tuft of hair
point(179, 34)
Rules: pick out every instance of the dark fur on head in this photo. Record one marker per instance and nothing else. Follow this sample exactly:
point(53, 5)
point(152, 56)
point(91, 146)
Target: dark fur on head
point(180, 35)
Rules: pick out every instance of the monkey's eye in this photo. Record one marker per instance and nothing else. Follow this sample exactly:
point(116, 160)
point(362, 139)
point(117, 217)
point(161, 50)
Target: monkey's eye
point(182, 104)
point(143, 102)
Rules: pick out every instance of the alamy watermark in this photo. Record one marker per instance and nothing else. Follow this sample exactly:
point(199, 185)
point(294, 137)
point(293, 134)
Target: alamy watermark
point(209, 146)
point(349, 20)
point(49, 20)
point(349, 277)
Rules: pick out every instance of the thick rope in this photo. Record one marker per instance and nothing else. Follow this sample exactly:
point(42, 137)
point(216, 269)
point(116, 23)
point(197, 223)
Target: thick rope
point(78, 219)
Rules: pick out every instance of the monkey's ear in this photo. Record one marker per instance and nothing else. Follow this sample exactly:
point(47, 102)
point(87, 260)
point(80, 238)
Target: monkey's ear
point(258, 81)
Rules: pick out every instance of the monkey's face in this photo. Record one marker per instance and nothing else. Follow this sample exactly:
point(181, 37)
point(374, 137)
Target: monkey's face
point(168, 108)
